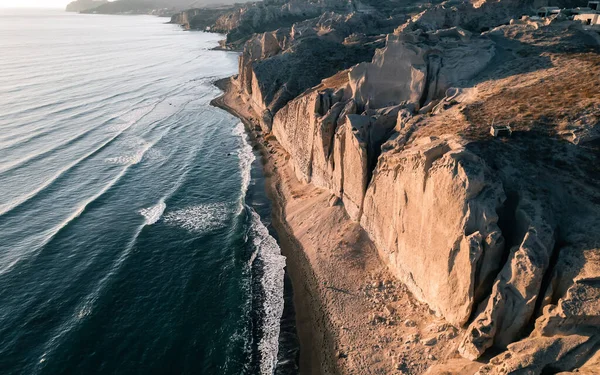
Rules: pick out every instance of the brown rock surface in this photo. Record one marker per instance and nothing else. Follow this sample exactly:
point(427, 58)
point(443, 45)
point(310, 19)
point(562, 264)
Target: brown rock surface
point(496, 236)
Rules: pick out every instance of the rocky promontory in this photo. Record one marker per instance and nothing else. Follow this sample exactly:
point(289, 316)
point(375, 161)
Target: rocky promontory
point(162, 8)
point(462, 252)
point(83, 5)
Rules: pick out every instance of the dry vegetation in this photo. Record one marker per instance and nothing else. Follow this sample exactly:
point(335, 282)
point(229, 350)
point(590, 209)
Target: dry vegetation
point(554, 98)
point(543, 87)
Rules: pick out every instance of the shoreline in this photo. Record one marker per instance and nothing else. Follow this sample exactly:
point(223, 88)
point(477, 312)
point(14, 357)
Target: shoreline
point(309, 363)
point(352, 315)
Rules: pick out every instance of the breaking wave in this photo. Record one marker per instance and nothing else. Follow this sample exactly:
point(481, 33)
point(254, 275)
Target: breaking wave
point(200, 219)
point(246, 157)
point(153, 214)
point(273, 263)
point(267, 253)
point(139, 146)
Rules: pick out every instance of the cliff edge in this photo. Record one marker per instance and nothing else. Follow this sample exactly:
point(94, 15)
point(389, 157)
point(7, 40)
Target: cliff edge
point(388, 121)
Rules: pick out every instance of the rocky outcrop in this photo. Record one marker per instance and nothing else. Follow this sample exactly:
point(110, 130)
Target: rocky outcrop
point(512, 303)
point(258, 17)
point(567, 334)
point(441, 199)
point(335, 147)
point(481, 15)
point(276, 67)
point(482, 230)
point(185, 18)
point(200, 18)
point(367, 104)
point(415, 68)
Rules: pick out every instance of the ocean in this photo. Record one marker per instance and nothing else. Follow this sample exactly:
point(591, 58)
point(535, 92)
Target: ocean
point(134, 225)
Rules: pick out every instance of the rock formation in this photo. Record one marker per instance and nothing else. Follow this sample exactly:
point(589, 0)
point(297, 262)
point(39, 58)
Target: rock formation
point(199, 18)
point(498, 236)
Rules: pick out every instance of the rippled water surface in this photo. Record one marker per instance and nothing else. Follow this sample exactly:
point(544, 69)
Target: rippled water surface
point(131, 238)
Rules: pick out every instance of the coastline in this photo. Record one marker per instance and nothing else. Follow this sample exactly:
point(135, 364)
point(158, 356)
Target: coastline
point(352, 315)
point(302, 280)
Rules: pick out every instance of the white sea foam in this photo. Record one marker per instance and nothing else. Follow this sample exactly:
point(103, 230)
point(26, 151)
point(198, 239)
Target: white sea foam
point(268, 252)
point(153, 214)
point(139, 148)
point(246, 157)
point(155, 155)
point(273, 262)
point(202, 218)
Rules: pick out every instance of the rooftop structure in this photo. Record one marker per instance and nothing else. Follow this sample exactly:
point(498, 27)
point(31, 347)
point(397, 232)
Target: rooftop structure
point(590, 19)
point(500, 130)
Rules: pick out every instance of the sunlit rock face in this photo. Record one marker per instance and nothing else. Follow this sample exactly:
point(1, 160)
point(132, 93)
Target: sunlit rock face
point(415, 67)
point(440, 199)
point(278, 66)
point(473, 232)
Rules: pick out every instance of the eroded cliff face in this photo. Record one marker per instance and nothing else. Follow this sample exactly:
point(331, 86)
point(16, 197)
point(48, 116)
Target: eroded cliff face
point(278, 66)
point(424, 66)
point(263, 16)
point(498, 237)
point(437, 197)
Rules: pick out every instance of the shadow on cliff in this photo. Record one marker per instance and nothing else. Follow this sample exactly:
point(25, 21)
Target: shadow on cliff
point(530, 50)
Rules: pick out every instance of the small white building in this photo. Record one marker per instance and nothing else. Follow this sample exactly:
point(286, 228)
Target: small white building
point(590, 20)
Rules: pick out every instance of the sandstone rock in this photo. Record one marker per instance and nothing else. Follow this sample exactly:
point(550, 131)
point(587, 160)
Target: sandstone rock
point(566, 335)
point(514, 295)
point(198, 19)
point(331, 146)
point(278, 66)
point(432, 204)
point(454, 367)
point(590, 367)
point(354, 139)
point(417, 68)
point(533, 355)
point(455, 197)
point(429, 341)
point(584, 129)
point(334, 201)
point(413, 338)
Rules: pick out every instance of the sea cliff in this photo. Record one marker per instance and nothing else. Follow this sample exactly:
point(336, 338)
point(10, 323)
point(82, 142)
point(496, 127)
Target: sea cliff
point(420, 242)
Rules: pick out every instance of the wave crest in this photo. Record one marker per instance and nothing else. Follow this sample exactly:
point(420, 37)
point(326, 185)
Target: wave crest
point(153, 214)
point(271, 281)
point(202, 218)
point(246, 157)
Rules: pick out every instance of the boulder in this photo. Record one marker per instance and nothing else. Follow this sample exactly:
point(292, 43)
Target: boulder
point(511, 305)
point(567, 334)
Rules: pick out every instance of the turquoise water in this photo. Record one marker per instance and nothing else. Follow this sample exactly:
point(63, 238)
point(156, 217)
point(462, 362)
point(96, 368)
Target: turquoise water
point(131, 238)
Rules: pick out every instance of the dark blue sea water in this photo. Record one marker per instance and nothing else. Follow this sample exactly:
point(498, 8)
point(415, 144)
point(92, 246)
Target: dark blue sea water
point(131, 238)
